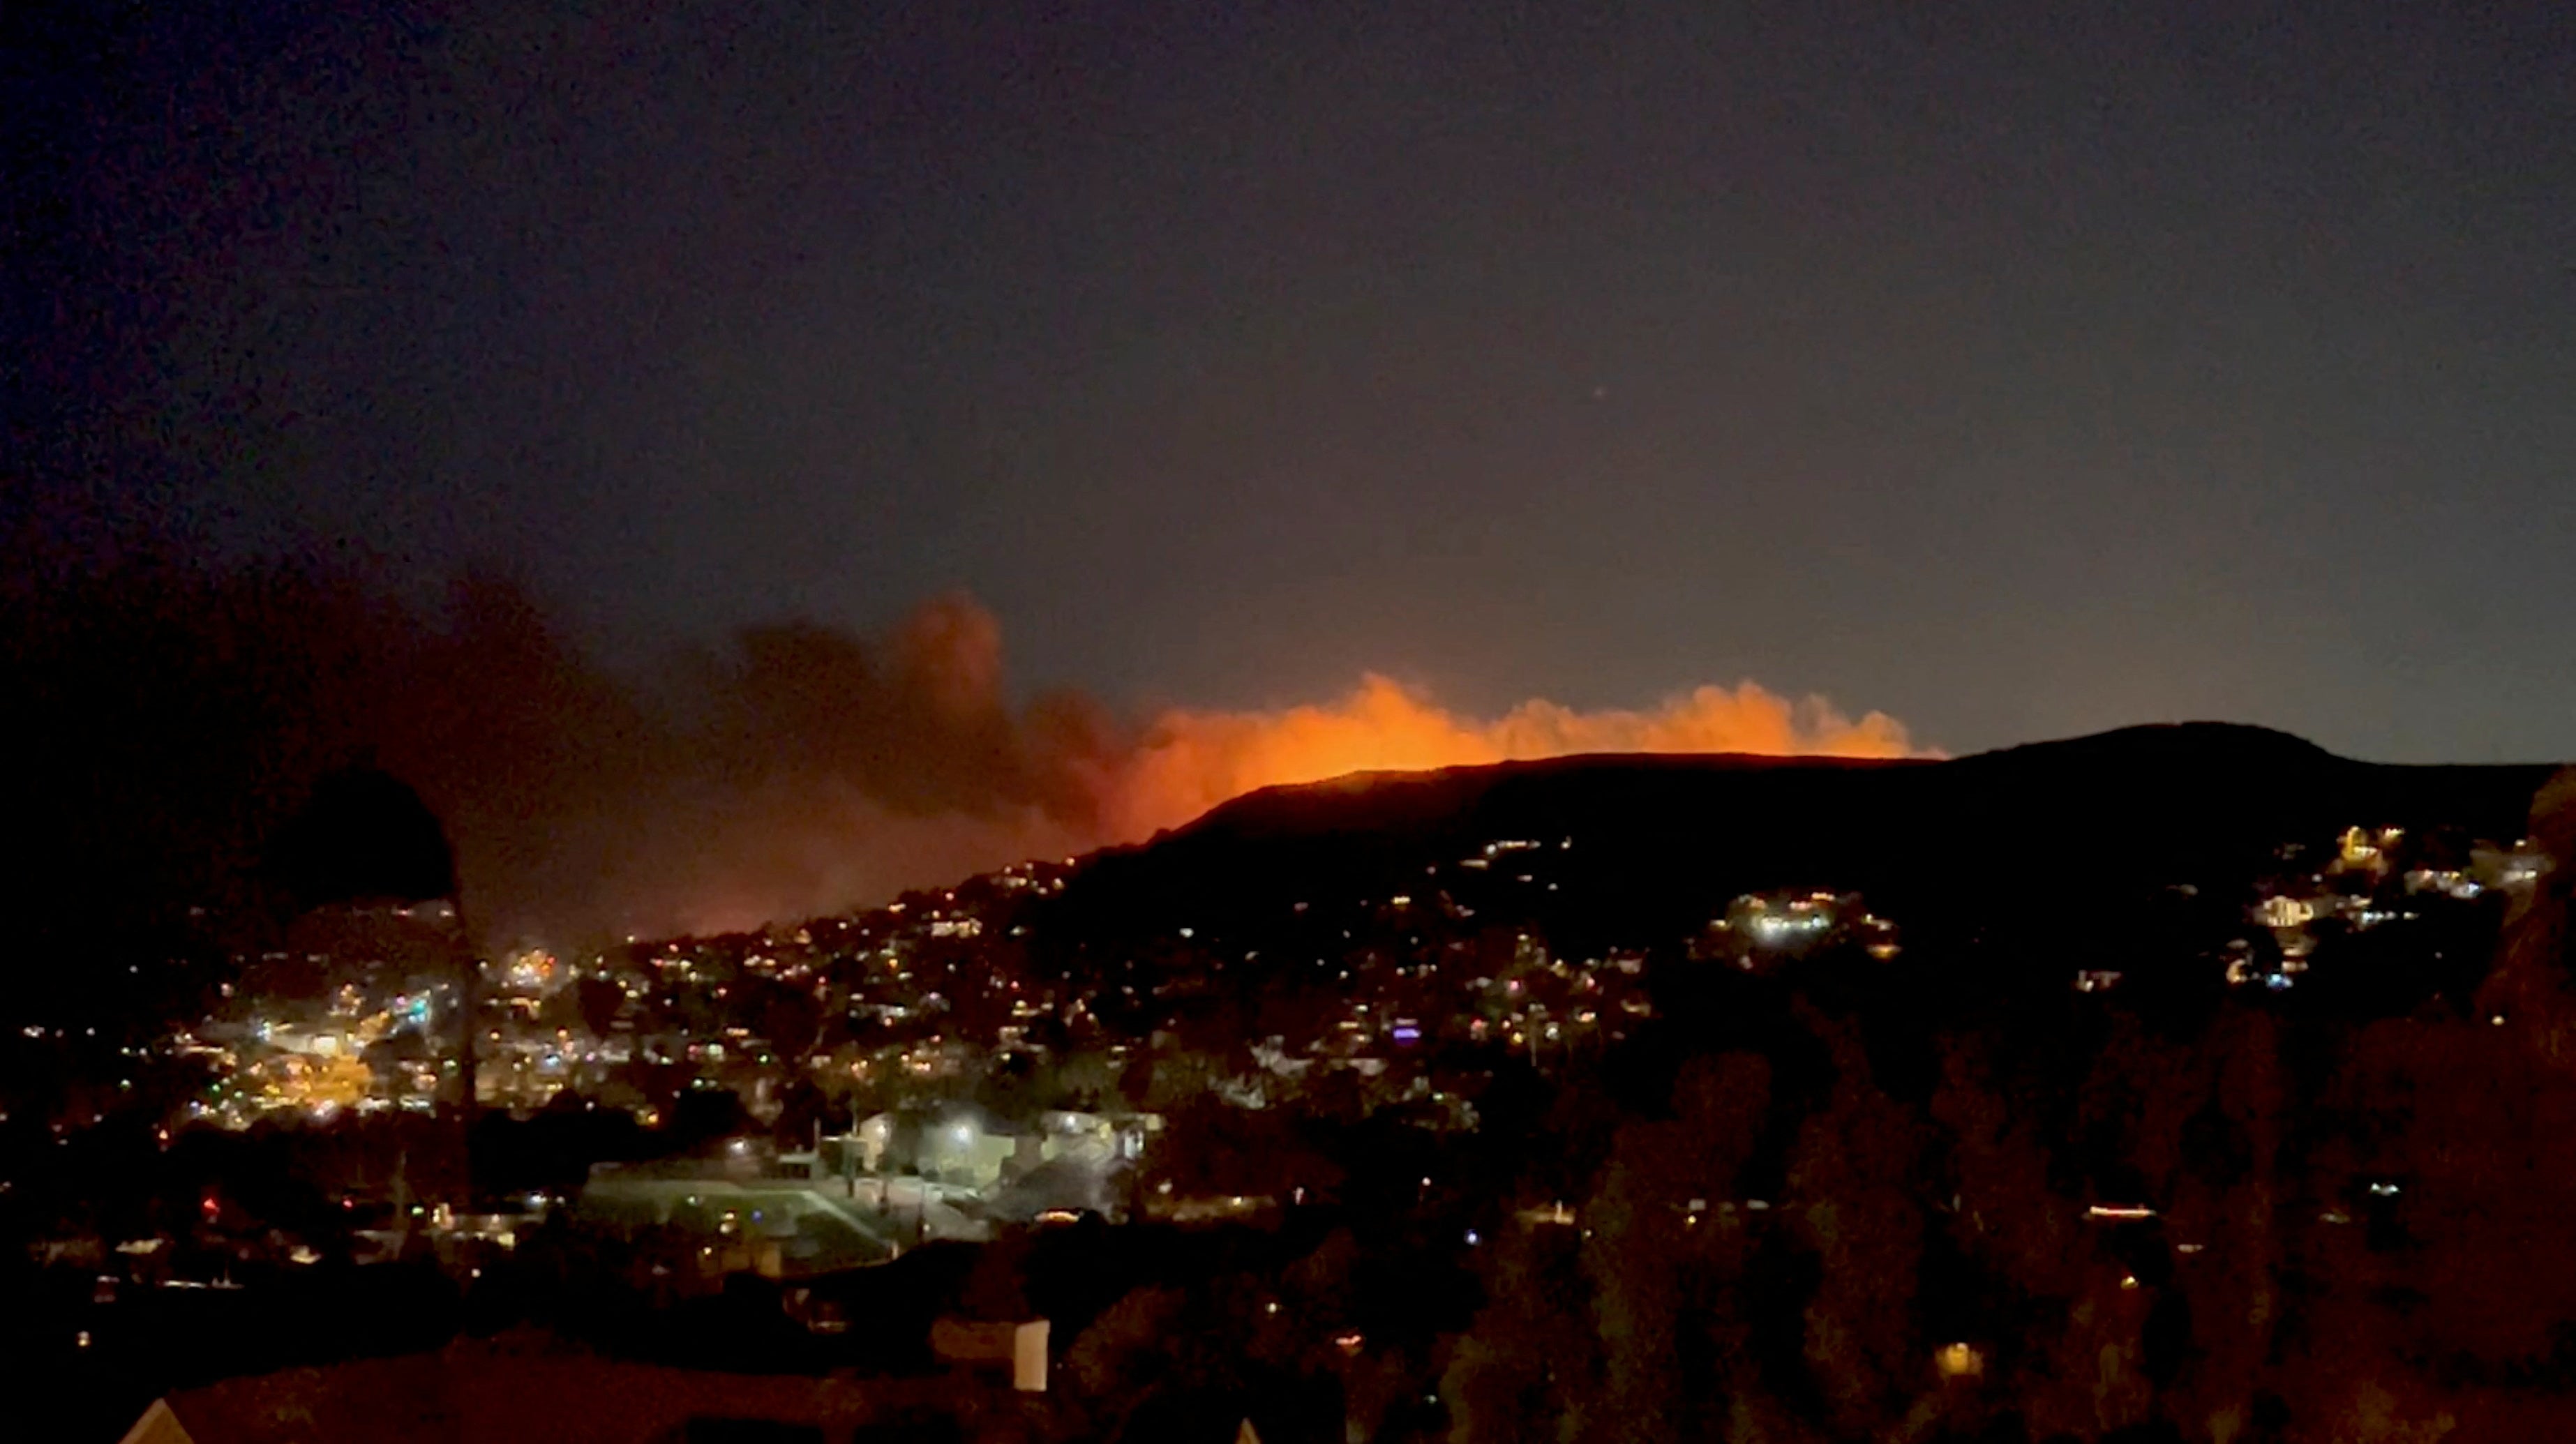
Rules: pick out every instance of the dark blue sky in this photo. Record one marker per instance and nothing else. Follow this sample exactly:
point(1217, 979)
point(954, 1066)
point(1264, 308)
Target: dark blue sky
point(2020, 370)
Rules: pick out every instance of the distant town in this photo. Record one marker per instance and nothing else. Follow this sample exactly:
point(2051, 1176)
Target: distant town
point(936, 999)
point(1359, 1135)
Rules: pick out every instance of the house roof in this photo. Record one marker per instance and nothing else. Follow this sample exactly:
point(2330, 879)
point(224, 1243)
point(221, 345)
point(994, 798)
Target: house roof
point(494, 1391)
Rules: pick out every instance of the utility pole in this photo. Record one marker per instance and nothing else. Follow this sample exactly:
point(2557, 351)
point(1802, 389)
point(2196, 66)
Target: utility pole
point(468, 994)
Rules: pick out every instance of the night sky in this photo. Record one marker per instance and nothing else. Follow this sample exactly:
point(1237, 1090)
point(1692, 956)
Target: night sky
point(2019, 370)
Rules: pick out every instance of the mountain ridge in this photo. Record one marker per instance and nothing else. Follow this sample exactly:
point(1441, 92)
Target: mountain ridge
point(1656, 843)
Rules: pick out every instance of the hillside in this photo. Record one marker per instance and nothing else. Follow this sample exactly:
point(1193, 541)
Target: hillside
point(2009, 848)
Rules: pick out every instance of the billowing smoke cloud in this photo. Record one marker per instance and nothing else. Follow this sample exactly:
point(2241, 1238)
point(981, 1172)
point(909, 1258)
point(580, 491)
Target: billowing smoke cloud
point(1190, 761)
point(794, 770)
point(805, 769)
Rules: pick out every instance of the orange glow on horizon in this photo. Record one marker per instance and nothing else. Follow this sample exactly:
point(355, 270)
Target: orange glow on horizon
point(947, 778)
point(1193, 760)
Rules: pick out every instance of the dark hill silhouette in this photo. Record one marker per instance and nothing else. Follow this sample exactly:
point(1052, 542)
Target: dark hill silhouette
point(2020, 846)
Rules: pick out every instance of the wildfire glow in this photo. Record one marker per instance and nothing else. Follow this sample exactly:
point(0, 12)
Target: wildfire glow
point(846, 769)
point(1192, 760)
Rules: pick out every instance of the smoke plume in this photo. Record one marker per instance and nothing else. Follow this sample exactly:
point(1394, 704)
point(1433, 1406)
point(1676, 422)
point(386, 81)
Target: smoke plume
point(181, 713)
point(1189, 761)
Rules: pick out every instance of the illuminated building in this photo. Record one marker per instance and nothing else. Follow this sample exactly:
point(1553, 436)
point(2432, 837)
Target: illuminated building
point(1762, 930)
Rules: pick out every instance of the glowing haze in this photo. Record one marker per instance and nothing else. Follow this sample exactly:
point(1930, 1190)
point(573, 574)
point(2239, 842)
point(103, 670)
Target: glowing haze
point(795, 769)
point(869, 767)
point(1192, 760)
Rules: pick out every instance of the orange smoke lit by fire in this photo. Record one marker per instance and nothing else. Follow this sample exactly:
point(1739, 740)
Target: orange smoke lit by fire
point(797, 770)
point(851, 768)
point(1192, 760)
